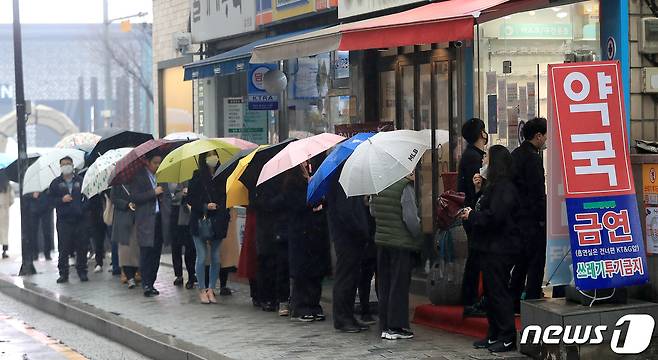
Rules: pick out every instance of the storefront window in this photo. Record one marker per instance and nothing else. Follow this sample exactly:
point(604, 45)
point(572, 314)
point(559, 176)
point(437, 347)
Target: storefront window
point(514, 54)
point(407, 97)
point(387, 96)
point(425, 96)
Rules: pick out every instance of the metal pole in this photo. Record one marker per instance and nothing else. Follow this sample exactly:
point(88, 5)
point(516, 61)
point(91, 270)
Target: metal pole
point(108, 71)
point(27, 267)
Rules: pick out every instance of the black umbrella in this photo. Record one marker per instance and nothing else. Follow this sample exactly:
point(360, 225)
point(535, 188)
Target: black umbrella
point(115, 138)
point(12, 169)
point(225, 169)
point(251, 173)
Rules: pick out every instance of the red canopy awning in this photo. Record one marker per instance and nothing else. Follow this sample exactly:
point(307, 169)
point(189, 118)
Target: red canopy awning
point(433, 23)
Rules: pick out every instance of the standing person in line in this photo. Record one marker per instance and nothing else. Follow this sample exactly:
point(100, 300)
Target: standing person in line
point(348, 222)
point(124, 233)
point(181, 238)
point(497, 235)
point(397, 235)
point(248, 262)
point(473, 131)
point(66, 195)
point(530, 181)
point(108, 219)
point(309, 253)
point(208, 203)
point(45, 224)
point(153, 206)
point(368, 271)
point(96, 229)
point(6, 200)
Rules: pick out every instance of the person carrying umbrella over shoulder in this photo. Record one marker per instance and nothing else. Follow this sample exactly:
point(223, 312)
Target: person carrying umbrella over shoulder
point(209, 220)
point(70, 203)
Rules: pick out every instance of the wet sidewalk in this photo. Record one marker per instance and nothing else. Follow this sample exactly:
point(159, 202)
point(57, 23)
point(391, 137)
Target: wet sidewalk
point(234, 328)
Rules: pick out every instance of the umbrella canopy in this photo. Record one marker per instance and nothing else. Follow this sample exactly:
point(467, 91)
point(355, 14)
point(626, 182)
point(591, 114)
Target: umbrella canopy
point(227, 167)
point(236, 192)
point(40, 174)
point(12, 169)
point(296, 153)
point(186, 136)
point(97, 178)
point(6, 160)
point(116, 138)
point(242, 144)
point(181, 163)
point(382, 160)
point(85, 140)
point(319, 183)
point(133, 161)
point(249, 174)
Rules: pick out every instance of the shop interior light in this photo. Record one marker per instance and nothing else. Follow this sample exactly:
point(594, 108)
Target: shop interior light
point(562, 14)
point(531, 13)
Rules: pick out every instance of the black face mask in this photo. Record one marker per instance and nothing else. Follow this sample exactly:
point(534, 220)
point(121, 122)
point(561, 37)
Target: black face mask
point(486, 137)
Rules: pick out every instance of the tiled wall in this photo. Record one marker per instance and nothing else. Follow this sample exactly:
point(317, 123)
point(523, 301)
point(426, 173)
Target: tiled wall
point(643, 106)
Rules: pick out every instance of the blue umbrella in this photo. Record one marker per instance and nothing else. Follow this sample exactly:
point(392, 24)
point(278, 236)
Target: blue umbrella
point(319, 184)
point(5, 160)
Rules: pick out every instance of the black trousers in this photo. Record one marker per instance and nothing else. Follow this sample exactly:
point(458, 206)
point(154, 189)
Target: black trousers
point(500, 303)
point(253, 289)
point(97, 232)
point(273, 275)
point(368, 270)
point(149, 257)
point(45, 224)
point(346, 279)
point(471, 279)
point(528, 273)
point(182, 239)
point(130, 271)
point(305, 297)
point(393, 279)
point(72, 238)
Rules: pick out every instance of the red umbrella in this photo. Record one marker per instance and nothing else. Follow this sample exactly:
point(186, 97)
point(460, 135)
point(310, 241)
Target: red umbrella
point(128, 166)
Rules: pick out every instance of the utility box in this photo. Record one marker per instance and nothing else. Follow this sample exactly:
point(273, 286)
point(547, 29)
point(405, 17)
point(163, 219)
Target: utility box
point(650, 80)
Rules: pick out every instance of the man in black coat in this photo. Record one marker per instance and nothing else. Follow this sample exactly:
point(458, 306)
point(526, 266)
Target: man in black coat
point(473, 131)
point(529, 178)
point(348, 223)
point(70, 203)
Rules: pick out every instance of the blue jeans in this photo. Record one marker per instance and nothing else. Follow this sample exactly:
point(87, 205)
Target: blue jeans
point(116, 269)
point(201, 253)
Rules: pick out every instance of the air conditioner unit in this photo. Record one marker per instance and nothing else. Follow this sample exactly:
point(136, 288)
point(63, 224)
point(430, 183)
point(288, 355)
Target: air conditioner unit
point(648, 35)
point(182, 42)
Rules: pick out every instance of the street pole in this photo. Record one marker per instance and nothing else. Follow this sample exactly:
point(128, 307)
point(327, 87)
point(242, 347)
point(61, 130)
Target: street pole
point(108, 72)
point(27, 267)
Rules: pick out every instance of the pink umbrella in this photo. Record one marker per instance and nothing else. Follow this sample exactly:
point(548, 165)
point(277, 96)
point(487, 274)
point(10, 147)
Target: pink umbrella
point(296, 153)
point(242, 144)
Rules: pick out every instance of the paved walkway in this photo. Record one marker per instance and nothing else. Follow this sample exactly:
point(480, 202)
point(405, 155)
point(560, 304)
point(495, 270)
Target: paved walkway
point(237, 330)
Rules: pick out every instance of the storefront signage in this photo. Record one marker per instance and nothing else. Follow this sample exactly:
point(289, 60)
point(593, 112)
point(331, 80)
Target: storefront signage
point(607, 246)
point(535, 31)
point(244, 124)
point(650, 201)
point(348, 8)
point(531, 100)
point(492, 114)
point(284, 9)
point(217, 19)
point(259, 99)
point(342, 65)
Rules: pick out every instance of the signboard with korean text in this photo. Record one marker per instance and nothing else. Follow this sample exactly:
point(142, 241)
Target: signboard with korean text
point(650, 201)
point(607, 246)
point(258, 98)
point(284, 9)
point(348, 8)
point(217, 19)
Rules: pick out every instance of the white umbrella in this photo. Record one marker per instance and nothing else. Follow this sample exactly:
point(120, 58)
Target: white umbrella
point(98, 175)
point(382, 160)
point(40, 174)
point(184, 136)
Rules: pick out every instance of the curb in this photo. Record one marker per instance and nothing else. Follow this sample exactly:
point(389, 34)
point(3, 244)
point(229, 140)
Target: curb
point(146, 341)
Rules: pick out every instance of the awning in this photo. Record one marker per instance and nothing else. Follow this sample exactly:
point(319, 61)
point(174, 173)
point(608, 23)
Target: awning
point(433, 23)
point(232, 61)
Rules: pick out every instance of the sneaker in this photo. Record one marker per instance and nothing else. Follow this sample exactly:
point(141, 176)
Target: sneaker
point(269, 307)
point(304, 318)
point(225, 291)
point(396, 334)
point(178, 281)
point(484, 343)
point(502, 346)
point(83, 277)
point(384, 334)
point(98, 269)
point(62, 279)
point(350, 329)
point(155, 291)
point(320, 317)
point(368, 319)
point(284, 309)
point(131, 284)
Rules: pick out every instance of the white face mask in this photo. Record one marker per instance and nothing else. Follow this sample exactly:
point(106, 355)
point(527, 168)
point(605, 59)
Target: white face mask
point(212, 161)
point(67, 169)
point(483, 170)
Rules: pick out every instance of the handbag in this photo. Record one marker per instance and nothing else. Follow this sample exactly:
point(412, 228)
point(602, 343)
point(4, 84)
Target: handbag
point(108, 212)
point(206, 229)
point(447, 208)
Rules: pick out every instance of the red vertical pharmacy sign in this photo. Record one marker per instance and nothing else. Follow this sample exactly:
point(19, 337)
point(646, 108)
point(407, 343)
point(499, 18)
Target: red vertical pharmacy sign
point(604, 224)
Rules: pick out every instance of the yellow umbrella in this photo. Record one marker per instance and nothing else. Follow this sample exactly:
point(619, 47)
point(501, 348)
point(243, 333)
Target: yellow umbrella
point(236, 192)
point(181, 163)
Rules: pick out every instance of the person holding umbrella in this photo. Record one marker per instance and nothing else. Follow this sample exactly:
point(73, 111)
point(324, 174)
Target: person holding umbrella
point(70, 203)
point(497, 235)
point(209, 220)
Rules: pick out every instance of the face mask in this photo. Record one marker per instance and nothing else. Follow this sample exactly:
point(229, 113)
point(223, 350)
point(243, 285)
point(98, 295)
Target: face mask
point(483, 170)
point(212, 161)
point(67, 169)
point(486, 138)
point(172, 187)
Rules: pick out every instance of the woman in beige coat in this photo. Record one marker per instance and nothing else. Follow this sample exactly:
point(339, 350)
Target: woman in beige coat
point(6, 200)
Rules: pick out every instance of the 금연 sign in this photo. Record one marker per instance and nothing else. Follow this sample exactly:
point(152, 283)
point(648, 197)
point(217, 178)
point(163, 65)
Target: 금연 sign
point(259, 99)
point(607, 246)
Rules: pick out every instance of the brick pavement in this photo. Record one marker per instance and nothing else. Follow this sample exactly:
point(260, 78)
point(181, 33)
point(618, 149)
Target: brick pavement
point(237, 330)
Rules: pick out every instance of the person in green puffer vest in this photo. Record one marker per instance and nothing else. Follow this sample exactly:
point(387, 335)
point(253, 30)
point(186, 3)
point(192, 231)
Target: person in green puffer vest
point(397, 235)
